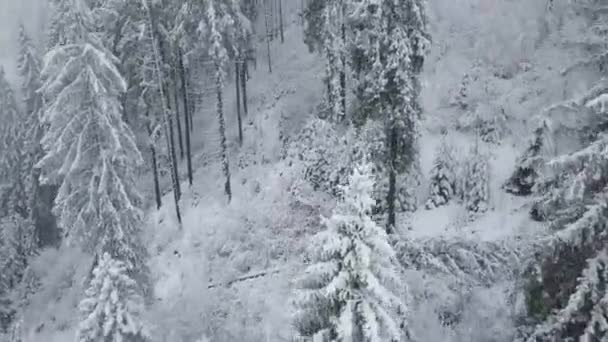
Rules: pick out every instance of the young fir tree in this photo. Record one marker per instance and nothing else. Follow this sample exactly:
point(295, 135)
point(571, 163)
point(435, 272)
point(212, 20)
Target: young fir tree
point(349, 290)
point(443, 177)
point(528, 167)
point(476, 191)
point(112, 307)
point(219, 21)
point(389, 46)
point(89, 150)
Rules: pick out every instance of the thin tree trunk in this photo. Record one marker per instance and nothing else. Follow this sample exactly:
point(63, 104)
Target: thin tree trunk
point(223, 144)
point(268, 36)
point(343, 71)
point(244, 87)
point(281, 21)
point(167, 115)
point(237, 71)
point(155, 178)
point(177, 120)
point(392, 178)
point(187, 116)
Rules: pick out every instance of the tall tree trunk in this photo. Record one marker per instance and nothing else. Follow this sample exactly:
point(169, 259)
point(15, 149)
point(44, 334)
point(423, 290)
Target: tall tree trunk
point(343, 70)
point(237, 72)
point(223, 144)
point(244, 87)
point(154, 161)
point(281, 21)
point(268, 35)
point(187, 116)
point(177, 120)
point(167, 115)
point(392, 179)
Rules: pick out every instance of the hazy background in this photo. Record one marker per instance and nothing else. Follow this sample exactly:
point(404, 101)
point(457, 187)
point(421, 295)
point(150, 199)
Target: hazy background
point(32, 13)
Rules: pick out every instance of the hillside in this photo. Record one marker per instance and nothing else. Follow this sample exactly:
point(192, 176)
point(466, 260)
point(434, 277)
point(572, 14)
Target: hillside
point(228, 271)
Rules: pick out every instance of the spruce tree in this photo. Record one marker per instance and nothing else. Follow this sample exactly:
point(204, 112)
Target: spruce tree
point(13, 197)
point(112, 307)
point(349, 289)
point(443, 178)
point(529, 165)
point(476, 191)
point(388, 51)
point(89, 150)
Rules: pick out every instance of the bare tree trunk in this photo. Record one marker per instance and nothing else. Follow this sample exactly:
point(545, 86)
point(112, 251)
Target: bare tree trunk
point(154, 161)
point(167, 115)
point(392, 178)
point(223, 144)
point(281, 21)
point(177, 120)
point(187, 116)
point(237, 72)
point(244, 86)
point(268, 35)
point(343, 70)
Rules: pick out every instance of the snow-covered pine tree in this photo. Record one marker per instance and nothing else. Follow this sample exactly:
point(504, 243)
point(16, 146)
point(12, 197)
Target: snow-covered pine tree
point(443, 177)
point(350, 289)
point(528, 167)
point(476, 191)
point(13, 197)
point(112, 307)
point(89, 150)
point(218, 22)
point(579, 214)
point(29, 65)
point(389, 47)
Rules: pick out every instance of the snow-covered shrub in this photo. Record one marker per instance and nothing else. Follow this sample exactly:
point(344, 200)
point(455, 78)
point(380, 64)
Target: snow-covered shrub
point(321, 150)
point(349, 289)
point(443, 177)
point(476, 192)
point(112, 307)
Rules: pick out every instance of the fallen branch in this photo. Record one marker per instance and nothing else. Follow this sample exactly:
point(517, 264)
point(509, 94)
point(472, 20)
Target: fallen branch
point(244, 278)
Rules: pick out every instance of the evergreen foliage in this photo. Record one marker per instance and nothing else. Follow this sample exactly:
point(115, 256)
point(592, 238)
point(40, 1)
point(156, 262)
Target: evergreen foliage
point(349, 288)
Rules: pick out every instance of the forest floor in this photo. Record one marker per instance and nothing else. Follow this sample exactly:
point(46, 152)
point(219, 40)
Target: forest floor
point(227, 271)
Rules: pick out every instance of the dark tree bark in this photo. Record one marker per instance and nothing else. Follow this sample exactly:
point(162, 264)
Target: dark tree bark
point(154, 161)
point(187, 116)
point(177, 120)
point(244, 86)
point(281, 21)
point(392, 178)
point(237, 72)
point(343, 72)
point(268, 36)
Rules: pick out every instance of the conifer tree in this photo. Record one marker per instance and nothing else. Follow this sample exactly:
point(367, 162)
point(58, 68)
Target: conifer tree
point(476, 191)
point(443, 178)
point(89, 150)
point(388, 50)
point(112, 307)
point(528, 168)
point(219, 21)
point(350, 288)
point(13, 197)
point(29, 66)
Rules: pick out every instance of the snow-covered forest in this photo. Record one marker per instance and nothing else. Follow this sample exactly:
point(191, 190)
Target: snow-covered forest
point(304, 171)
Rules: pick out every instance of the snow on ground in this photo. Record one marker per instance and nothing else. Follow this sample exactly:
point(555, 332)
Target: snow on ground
point(227, 272)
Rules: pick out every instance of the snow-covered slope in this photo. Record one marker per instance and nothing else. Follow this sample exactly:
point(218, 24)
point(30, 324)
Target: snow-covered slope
point(227, 272)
